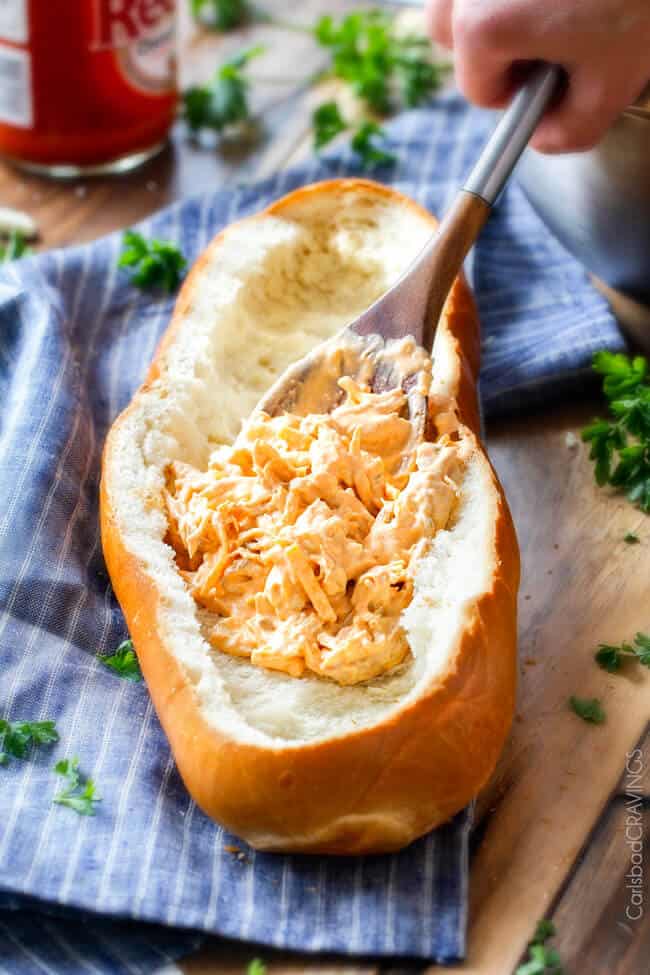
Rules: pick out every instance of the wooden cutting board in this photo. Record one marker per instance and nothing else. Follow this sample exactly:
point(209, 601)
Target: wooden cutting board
point(582, 584)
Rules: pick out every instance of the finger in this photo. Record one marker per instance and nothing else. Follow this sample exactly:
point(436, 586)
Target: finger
point(488, 82)
point(439, 17)
point(484, 54)
point(585, 113)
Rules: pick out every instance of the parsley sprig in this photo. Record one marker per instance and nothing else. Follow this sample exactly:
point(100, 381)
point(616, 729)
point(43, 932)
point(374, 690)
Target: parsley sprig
point(223, 102)
point(222, 14)
point(154, 263)
point(328, 123)
point(611, 657)
point(364, 142)
point(542, 959)
point(79, 791)
point(588, 708)
point(15, 247)
point(385, 69)
point(17, 737)
point(123, 662)
point(620, 445)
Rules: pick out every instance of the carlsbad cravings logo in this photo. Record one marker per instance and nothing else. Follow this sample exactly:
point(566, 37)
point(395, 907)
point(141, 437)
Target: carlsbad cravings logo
point(120, 22)
point(141, 33)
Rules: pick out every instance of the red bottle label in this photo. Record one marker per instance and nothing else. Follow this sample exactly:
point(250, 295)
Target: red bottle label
point(141, 33)
point(120, 22)
point(85, 82)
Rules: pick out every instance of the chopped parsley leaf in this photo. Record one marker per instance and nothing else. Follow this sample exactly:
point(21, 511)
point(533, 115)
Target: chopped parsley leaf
point(611, 657)
point(589, 709)
point(384, 68)
point(620, 444)
point(123, 662)
point(15, 247)
point(223, 101)
point(364, 143)
point(79, 792)
point(327, 123)
point(223, 14)
point(17, 737)
point(542, 959)
point(153, 263)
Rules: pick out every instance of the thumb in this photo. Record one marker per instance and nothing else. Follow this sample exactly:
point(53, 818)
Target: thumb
point(439, 18)
point(586, 111)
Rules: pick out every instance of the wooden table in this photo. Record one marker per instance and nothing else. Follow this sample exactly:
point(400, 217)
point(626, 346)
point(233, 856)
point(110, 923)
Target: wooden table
point(552, 834)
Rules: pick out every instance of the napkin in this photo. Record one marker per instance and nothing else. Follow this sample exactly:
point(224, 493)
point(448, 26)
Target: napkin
point(75, 341)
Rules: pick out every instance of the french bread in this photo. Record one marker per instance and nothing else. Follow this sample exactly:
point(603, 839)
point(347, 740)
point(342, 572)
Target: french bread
point(306, 764)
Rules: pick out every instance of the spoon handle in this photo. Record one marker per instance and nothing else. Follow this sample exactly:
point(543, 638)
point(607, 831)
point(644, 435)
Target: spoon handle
point(513, 133)
point(457, 232)
point(414, 303)
point(470, 209)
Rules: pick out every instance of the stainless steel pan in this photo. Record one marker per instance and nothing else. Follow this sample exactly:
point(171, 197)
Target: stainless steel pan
point(598, 202)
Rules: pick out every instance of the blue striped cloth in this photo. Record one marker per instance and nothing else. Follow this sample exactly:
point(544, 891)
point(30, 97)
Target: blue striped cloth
point(75, 341)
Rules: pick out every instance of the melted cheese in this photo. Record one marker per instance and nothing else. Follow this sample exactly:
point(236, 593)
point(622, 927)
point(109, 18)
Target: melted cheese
point(302, 537)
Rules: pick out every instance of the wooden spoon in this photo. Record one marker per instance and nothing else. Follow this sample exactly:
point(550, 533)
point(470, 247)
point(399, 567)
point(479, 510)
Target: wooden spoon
point(414, 303)
point(412, 307)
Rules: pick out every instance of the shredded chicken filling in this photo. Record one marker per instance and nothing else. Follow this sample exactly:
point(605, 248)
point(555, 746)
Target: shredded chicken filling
point(302, 537)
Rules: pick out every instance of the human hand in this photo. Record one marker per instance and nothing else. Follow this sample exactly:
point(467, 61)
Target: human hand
point(603, 45)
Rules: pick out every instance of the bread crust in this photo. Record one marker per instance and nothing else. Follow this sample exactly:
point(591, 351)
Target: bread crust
point(378, 788)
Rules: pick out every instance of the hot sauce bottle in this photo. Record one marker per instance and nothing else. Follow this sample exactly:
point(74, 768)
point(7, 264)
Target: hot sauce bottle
point(85, 85)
